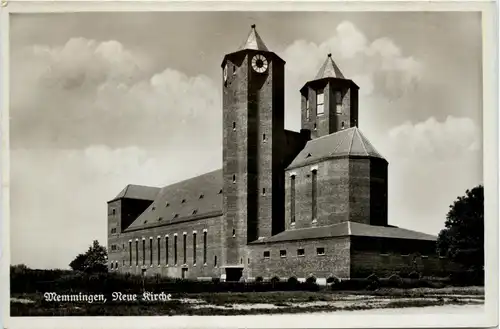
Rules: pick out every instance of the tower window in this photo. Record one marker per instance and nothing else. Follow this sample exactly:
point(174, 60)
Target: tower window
point(307, 114)
point(263, 191)
point(234, 233)
point(263, 137)
point(314, 182)
point(234, 178)
point(307, 103)
point(114, 211)
point(314, 126)
point(113, 230)
point(320, 103)
point(338, 99)
point(215, 261)
point(343, 125)
point(234, 125)
point(292, 199)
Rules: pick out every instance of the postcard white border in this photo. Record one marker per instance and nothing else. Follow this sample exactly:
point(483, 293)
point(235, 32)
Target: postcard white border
point(489, 315)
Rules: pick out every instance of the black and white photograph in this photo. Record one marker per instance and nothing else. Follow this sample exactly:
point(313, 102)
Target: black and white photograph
point(244, 165)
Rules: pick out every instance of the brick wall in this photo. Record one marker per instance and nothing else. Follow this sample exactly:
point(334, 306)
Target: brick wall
point(385, 257)
point(335, 261)
point(214, 249)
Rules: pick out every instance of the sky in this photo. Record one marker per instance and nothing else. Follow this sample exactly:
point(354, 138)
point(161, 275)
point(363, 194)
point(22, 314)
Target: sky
point(102, 100)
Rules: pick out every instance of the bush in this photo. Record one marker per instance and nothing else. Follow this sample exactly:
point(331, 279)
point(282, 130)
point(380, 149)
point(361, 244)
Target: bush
point(414, 275)
point(311, 280)
point(216, 280)
point(293, 281)
point(333, 280)
point(275, 279)
point(259, 279)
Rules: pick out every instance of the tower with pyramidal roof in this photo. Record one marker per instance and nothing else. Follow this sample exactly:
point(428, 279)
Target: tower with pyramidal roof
point(285, 203)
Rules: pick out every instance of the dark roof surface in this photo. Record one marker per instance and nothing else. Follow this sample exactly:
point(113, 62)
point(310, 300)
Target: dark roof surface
point(329, 70)
point(347, 142)
point(347, 229)
point(139, 192)
point(191, 198)
point(254, 41)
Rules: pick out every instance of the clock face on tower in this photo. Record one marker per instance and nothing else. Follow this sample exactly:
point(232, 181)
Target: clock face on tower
point(259, 63)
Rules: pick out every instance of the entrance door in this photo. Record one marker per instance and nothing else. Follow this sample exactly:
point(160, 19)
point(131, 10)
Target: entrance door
point(234, 274)
point(184, 272)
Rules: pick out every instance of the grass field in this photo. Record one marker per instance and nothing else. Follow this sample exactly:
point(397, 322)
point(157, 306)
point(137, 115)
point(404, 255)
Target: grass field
point(273, 302)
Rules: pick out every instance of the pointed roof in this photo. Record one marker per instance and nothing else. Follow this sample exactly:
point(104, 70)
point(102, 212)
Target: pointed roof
point(347, 142)
point(254, 41)
point(329, 70)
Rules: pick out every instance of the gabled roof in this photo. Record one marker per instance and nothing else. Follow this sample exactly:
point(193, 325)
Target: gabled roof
point(139, 192)
point(347, 229)
point(254, 41)
point(193, 198)
point(329, 70)
point(347, 142)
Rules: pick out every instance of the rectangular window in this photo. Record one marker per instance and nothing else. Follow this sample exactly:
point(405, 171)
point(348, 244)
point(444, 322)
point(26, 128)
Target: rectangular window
point(215, 261)
point(314, 187)
point(301, 252)
point(292, 198)
point(136, 253)
point(130, 253)
point(307, 103)
point(320, 251)
point(282, 253)
point(184, 251)
point(320, 103)
point(175, 249)
point(307, 114)
point(114, 211)
point(267, 254)
point(151, 251)
point(158, 246)
point(204, 247)
point(194, 248)
point(113, 230)
point(166, 250)
point(143, 251)
point(338, 99)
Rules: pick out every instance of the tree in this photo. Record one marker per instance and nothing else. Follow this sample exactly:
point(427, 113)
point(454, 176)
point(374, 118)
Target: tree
point(94, 260)
point(462, 239)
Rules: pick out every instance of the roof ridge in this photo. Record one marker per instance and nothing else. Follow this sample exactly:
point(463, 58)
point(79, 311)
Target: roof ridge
point(365, 139)
point(352, 141)
point(361, 141)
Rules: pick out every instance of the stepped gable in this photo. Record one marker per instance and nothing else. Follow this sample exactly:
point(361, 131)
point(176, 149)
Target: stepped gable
point(347, 229)
point(197, 197)
point(138, 192)
point(347, 142)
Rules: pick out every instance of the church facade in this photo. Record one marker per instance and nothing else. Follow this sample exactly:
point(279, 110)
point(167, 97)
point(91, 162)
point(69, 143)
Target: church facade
point(284, 204)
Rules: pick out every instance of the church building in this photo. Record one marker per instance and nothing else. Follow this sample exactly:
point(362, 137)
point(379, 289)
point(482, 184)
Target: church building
point(285, 203)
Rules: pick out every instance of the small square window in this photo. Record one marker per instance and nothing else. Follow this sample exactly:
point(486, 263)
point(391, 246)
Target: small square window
point(183, 201)
point(320, 251)
point(201, 196)
point(195, 212)
point(301, 252)
point(153, 208)
point(267, 254)
point(282, 253)
point(167, 204)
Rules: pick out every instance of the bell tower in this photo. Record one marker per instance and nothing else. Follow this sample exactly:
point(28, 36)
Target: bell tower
point(329, 102)
point(253, 137)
